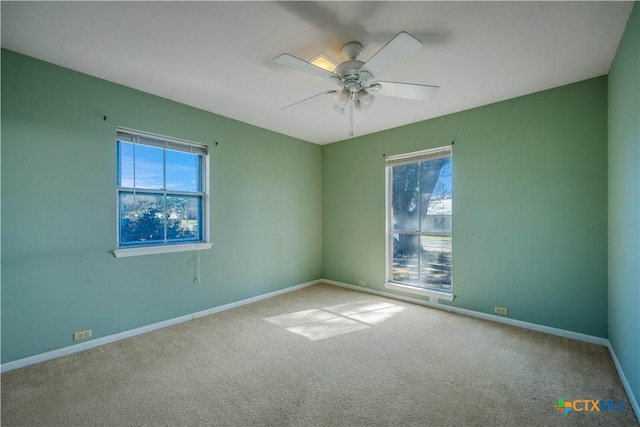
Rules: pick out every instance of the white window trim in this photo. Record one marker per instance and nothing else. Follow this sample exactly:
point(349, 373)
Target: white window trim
point(123, 252)
point(163, 249)
point(419, 291)
point(391, 161)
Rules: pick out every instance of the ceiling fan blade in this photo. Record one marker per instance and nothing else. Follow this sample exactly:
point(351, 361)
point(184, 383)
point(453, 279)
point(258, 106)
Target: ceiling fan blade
point(304, 66)
point(309, 100)
point(407, 90)
point(401, 46)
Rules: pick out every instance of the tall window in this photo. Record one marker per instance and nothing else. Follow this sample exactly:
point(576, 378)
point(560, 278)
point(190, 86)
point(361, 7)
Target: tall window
point(161, 191)
point(419, 214)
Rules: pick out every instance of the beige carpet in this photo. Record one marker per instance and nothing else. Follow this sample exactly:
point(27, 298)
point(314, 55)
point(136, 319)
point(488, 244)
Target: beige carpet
point(321, 356)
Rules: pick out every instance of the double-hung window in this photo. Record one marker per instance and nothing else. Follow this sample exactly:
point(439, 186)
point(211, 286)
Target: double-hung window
point(419, 222)
point(162, 194)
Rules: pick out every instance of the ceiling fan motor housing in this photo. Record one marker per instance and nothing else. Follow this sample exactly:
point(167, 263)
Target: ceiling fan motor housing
point(350, 77)
point(351, 50)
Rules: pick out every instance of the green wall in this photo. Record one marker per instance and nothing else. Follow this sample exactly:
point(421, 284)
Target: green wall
point(529, 210)
point(59, 211)
point(624, 202)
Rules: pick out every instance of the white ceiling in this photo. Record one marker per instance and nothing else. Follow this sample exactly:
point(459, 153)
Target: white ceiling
point(217, 56)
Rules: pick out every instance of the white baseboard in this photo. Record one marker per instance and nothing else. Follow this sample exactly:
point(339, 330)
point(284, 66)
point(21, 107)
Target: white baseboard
point(526, 325)
point(625, 383)
point(54, 354)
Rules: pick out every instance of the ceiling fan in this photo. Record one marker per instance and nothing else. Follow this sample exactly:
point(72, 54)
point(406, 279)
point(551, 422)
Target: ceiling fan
point(357, 79)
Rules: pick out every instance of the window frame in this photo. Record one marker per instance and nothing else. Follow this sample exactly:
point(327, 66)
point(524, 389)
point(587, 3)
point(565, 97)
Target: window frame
point(390, 162)
point(166, 143)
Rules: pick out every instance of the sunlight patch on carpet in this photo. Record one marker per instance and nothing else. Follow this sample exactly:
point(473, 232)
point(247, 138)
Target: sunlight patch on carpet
point(327, 329)
point(376, 317)
point(327, 322)
point(301, 318)
point(356, 307)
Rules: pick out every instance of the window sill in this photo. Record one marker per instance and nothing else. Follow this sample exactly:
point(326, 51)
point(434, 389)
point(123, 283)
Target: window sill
point(150, 250)
point(419, 291)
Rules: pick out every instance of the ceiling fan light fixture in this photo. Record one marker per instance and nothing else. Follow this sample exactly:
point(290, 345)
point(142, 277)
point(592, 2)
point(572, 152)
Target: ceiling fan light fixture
point(359, 107)
point(322, 61)
point(365, 99)
point(342, 98)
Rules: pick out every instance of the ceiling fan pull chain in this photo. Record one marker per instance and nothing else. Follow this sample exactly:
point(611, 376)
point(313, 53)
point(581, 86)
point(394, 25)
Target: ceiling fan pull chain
point(351, 116)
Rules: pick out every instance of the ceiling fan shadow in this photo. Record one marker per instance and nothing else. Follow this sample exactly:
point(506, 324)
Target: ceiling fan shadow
point(335, 21)
point(427, 37)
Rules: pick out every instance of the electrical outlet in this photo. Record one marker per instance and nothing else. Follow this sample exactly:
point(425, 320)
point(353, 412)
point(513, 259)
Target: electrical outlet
point(433, 299)
point(361, 283)
point(500, 310)
point(80, 335)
